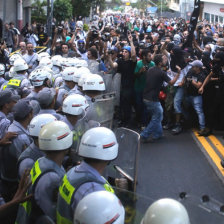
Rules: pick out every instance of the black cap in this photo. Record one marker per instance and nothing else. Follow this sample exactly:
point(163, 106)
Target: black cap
point(21, 109)
point(6, 96)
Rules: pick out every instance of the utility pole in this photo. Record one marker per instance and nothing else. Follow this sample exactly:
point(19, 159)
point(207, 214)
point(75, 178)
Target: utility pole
point(161, 8)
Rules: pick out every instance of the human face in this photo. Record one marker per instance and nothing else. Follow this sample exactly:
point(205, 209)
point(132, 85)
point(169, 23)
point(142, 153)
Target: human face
point(164, 60)
point(64, 49)
point(30, 48)
point(207, 48)
point(149, 57)
point(89, 55)
point(125, 54)
point(22, 46)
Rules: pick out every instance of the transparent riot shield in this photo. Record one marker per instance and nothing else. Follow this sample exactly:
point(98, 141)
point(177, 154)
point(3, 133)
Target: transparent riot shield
point(203, 209)
point(93, 66)
point(116, 85)
point(102, 110)
point(126, 164)
point(136, 205)
point(107, 78)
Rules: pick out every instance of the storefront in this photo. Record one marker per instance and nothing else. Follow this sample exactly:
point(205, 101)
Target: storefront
point(213, 11)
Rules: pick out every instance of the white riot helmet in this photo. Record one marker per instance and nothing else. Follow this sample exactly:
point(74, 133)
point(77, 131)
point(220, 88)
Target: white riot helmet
point(94, 82)
point(46, 62)
point(13, 58)
point(99, 143)
point(55, 136)
point(68, 73)
point(12, 73)
point(166, 211)
point(100, 206)
point(57, 60)
point(69, 62)
point(74, 104)
point(39, 76)
point(2, 69)
point(83, 78)
point(38, 122)
point(81, 63)
point(79, 72)
point(20, 65)
point(43, 55)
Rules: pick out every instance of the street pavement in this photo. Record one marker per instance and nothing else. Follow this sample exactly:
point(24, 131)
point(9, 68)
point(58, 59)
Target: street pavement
point(178, 164)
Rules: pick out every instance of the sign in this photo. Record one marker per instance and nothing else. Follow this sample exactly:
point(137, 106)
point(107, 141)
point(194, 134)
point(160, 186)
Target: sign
point(221, 9)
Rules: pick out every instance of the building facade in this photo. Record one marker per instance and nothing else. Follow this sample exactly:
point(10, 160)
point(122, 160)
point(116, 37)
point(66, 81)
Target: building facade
point(17, 11)
point(213, 11)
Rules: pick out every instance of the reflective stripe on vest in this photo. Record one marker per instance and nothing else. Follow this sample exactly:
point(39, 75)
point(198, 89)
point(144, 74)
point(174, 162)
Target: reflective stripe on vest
point(67, 190)
point(35, 172)
point(4, 86)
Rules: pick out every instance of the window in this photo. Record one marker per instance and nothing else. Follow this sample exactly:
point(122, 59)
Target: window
point(220, 19)
point(207, 16)
point(216, 19)
point(212, 18)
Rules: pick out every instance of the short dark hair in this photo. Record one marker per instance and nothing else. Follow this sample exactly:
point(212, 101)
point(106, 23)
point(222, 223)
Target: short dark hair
point(93, 52)
point(65, 44)
point(145, 52)
point(158, 58)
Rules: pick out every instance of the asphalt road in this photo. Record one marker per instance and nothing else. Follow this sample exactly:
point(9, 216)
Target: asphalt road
point(176, 164)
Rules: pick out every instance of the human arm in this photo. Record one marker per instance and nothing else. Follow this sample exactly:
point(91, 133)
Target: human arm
point(133, 52)
point(172, 82)
point(19, 197)
point(208, 78)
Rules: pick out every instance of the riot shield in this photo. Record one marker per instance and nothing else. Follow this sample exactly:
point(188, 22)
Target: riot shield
point(126, 163)
point(102, 110)
point(107, 78)
point(203, 209)
point(116, 85)
point(93, 66)
point(136, 205)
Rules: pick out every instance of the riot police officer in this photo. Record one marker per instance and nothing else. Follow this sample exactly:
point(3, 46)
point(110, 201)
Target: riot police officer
point(99, 207)
point(33, 153)
point(98, 147)
point(166, 211)
point(55, 139)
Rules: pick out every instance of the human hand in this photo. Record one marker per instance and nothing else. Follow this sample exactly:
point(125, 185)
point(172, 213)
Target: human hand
point(20, 195)
point(6, 139)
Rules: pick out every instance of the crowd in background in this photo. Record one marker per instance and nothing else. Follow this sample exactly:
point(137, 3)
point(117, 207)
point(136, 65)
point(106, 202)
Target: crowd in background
point(172, 77)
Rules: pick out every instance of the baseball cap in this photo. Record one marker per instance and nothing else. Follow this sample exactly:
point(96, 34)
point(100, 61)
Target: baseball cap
point(21, 109)
point(7, 96)
point(197, 63)
point(46, 96)
point(128, 48)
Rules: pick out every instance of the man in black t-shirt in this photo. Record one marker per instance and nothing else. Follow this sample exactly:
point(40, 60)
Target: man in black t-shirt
point(154, 81)
point(193, 82)
point(43, 37)
point(126, 67)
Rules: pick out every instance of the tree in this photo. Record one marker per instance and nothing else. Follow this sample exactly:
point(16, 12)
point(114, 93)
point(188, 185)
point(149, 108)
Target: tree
point(81, 7)
point(39, 11)
point(62, 10)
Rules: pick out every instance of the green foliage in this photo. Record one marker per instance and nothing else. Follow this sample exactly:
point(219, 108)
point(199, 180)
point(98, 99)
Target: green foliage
point(85, 27)
point(81, 7)
point(38, 12)
point(62, 10)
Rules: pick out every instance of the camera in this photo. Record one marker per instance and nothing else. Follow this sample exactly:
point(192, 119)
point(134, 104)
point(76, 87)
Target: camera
point(60, 29)
point(94, 34)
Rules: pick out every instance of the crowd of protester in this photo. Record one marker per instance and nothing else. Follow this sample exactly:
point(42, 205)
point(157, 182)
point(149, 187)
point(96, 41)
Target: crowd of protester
point(171, 77)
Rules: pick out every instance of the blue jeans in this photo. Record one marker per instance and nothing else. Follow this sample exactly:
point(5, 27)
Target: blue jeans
point(196, 102)
point(178, 98)
point(154, 128)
